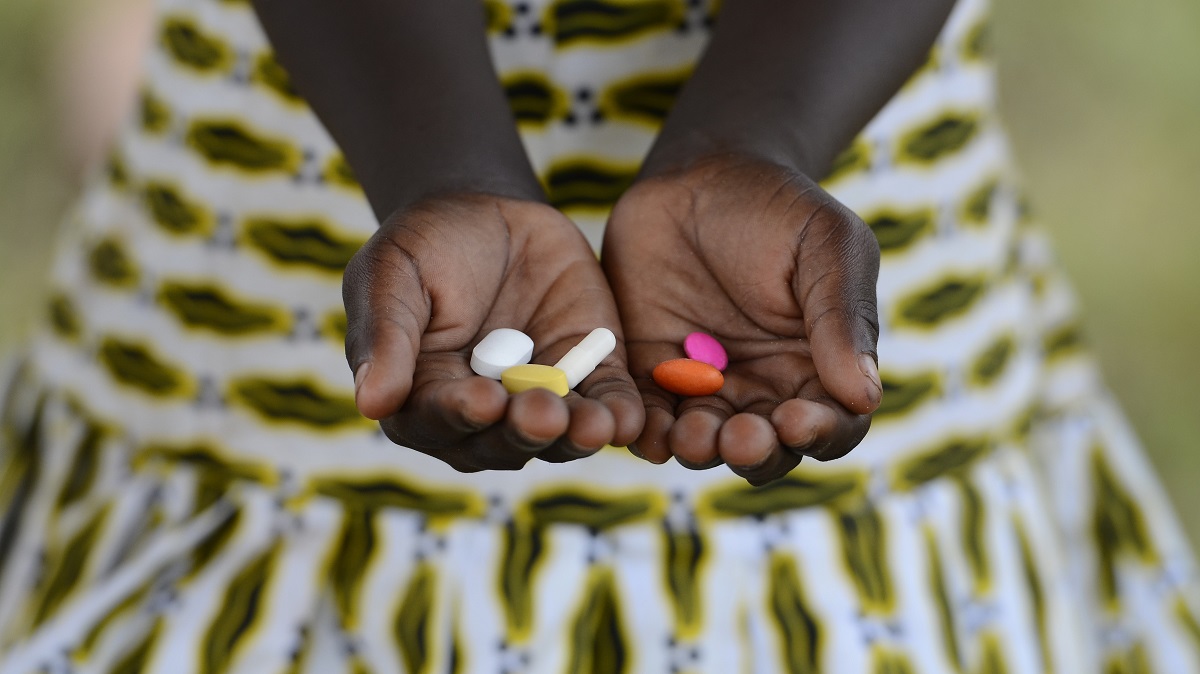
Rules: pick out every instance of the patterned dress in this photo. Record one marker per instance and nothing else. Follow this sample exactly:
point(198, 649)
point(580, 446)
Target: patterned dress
point(186, 487)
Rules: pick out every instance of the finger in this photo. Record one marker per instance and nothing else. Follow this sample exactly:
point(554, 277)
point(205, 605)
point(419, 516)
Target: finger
point(387, 311)
point(612, 387)
point(838, 261)
point(533, 421)
point(799, 423)
point(749, 446)
point(693, 436)
point(441, 413)
point(822, 429)
point(659, 406)
point(644, 356)
point(652, 444)
point(591, 427)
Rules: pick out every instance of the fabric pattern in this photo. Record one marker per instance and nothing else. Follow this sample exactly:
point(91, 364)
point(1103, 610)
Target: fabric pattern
point(186, 486)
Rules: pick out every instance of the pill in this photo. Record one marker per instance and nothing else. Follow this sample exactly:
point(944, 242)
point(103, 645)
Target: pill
point(524, 377)
point(688, 377)
point(579, 362)
point(706, 349)
point(501, 349)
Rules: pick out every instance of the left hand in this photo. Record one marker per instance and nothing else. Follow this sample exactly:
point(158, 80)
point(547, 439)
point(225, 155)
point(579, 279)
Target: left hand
point(436, 278)
point(760, 257)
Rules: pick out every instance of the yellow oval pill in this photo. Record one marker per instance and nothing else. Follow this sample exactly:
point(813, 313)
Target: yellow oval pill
point(524, 377)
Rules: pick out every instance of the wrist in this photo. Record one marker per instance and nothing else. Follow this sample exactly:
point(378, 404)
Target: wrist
point(798, 87)
point(400, 171)
point(409, 93)
point(685, 142)
point(718, 113)
point(398, 186)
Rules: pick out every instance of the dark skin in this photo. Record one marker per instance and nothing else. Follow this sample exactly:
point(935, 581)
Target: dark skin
point(744, 245)
point(439, 276)
point(467, 243)
point(724, 221)
point(789, 292)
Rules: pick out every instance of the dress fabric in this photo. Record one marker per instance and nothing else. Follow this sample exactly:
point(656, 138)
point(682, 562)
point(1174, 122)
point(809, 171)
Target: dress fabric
point(186, 487)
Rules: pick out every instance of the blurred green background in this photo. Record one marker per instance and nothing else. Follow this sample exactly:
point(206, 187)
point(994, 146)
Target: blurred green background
point(1102, 98)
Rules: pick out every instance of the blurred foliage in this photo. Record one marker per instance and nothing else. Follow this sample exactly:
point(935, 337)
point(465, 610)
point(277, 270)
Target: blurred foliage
point(1102, 100)
point(34, 187)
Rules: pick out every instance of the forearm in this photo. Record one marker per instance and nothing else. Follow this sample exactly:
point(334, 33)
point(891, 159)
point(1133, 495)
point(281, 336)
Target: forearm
point(795, 80)
point(407, 89)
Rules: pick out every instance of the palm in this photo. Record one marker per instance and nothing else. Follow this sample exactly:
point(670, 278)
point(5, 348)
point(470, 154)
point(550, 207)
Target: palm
point(745, 251)
point(495, 270)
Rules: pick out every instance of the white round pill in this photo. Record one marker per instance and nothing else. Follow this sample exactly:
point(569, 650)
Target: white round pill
point(501, 349)
point(579, 362)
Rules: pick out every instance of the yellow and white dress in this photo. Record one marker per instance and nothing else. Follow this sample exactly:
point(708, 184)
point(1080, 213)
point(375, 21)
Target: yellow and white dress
point(186, 487)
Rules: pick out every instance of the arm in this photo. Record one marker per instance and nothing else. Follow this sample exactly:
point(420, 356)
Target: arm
point(795, 80)
point(728, 214)
point(466, 243)
point(407, 89)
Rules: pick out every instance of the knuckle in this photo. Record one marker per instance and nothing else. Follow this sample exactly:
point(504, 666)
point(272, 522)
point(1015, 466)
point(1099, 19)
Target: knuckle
point(864, 237)
point(854, 241)
point(867, 313)
point(359, 263)
point(357, 341)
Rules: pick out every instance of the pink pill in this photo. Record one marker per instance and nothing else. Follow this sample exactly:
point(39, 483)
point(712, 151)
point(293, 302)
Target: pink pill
point(706, 349)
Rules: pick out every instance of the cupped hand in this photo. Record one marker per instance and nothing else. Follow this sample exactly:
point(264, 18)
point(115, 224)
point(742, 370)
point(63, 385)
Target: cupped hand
point(439, 276)
point(762, 258)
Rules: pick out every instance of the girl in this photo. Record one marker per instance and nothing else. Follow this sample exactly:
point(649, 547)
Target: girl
point(189, 484)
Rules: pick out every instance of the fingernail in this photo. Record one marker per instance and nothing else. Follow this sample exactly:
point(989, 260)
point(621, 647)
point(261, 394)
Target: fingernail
point(633, 449)
point(866, 364)
point(360, 376)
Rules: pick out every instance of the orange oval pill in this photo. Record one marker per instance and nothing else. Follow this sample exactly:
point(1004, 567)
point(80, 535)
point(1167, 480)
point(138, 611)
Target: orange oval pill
point(688, 377)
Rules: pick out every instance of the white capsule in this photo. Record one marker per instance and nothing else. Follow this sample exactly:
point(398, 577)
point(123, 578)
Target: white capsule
point(586, 355)
point(501, 349)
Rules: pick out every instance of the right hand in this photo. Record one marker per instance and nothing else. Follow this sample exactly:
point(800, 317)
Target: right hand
point(440, 275)
point(759, 256)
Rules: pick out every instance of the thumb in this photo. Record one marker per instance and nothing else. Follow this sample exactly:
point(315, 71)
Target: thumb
point(837, 271)
point(387, 311)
